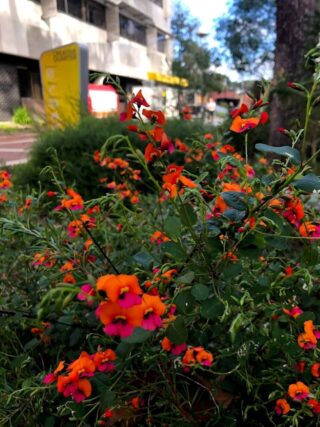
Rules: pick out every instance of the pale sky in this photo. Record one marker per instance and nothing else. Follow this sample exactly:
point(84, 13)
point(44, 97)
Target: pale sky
point(206, 11)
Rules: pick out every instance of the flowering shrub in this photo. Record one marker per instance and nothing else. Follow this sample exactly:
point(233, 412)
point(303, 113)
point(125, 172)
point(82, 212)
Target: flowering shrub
point(195, 303)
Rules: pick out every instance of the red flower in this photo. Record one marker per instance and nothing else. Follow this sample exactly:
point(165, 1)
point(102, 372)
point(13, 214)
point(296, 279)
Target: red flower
point(282, 407)
point(154, 116)
point(151, 153)
point(175, 349)
point(139, 100)
point(238, 111)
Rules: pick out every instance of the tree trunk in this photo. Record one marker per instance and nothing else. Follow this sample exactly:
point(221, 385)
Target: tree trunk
point(295, 35)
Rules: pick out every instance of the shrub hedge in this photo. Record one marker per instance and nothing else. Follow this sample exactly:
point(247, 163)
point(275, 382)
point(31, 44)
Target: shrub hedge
point(75, 147)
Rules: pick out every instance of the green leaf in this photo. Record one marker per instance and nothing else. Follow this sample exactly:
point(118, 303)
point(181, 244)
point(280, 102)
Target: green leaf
point(200, 292)
point(307, 315)
point(75, 337)
point(286, 151)
point(214, 246)
point(213, 230)
point(212, 308)
point(143, 258)
point(234, 215)
point(238, 322)
point(234, 199)
point(188, 215)
point(186, 279)
point(310, 256)
point(185, 302)
point(308, 183)
point(172, 227)
point(139, 336)
point(107, 399)
point(173, 249)
point(177, 331)
point(276, 242)
point(101, 384)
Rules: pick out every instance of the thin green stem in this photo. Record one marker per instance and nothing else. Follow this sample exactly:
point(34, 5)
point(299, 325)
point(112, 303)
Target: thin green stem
point(246, 146)
point(308, 115)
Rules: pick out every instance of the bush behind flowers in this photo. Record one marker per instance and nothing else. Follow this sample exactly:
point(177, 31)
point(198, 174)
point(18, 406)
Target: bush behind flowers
point(193, 303)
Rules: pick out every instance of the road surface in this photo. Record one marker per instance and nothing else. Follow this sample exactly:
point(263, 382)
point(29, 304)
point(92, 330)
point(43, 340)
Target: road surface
point(14, 148)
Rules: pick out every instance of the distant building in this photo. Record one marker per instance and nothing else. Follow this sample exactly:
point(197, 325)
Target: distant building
point(126, 38)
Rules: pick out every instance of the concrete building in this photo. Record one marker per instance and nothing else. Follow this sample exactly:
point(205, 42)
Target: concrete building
point(126, 38)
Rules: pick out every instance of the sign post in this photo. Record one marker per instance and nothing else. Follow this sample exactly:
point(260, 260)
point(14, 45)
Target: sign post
point(65, 76)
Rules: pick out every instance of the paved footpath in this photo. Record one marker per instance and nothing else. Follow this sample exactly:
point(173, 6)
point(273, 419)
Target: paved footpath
point(14, 148)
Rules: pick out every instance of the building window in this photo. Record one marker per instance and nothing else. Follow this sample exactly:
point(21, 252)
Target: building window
point(96, 14)
point(158, 2)
point(75, 8)
point(132, 30)
point(62, 5)
point(161, 40)
point(88, 10)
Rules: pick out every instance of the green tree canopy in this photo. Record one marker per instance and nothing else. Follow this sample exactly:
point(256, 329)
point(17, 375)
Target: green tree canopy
point(193, 58)
point(247, 34)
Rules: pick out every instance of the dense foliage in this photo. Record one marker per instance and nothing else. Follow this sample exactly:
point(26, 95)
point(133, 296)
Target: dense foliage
point(75, 147)
point(192, 303)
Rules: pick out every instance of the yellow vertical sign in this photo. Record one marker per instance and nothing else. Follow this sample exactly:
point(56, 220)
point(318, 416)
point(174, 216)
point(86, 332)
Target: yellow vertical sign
point(64, 75)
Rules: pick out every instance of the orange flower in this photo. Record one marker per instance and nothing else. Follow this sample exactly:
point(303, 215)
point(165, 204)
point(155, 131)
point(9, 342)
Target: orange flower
point(52, 376)
point(197, 355)
point(69, 278)
point(227, 148)
point(204, 357)
point(83, 366)
point(189, 358)
point(137, 402)
point(309, 229)
point(294, 211)
point(67, 266)
point(282, 407)
point(45, 259)
point(298, 391)
point(308, 339)
point(153, 308)
point(167, 345)
point(240, 125)
point(122, 288)
point(119, 321)
point(75, 202)
point(315, 405)
point(181, 146)
point(315, 369)
point(219, 207)
point(238, 111)
point(187, 114)
point(151, 153)
point(231, 186)
point(5, 180)
point(77, 389)
point(293, 312)
point(159, 237)
point(103, 360)
point(154, 116)
point(174, 182)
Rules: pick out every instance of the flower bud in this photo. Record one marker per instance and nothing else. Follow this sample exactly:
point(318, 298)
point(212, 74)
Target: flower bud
point(296, 86)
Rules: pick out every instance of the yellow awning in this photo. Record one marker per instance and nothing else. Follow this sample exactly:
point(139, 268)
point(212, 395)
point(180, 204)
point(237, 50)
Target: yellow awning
point(167, 79)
